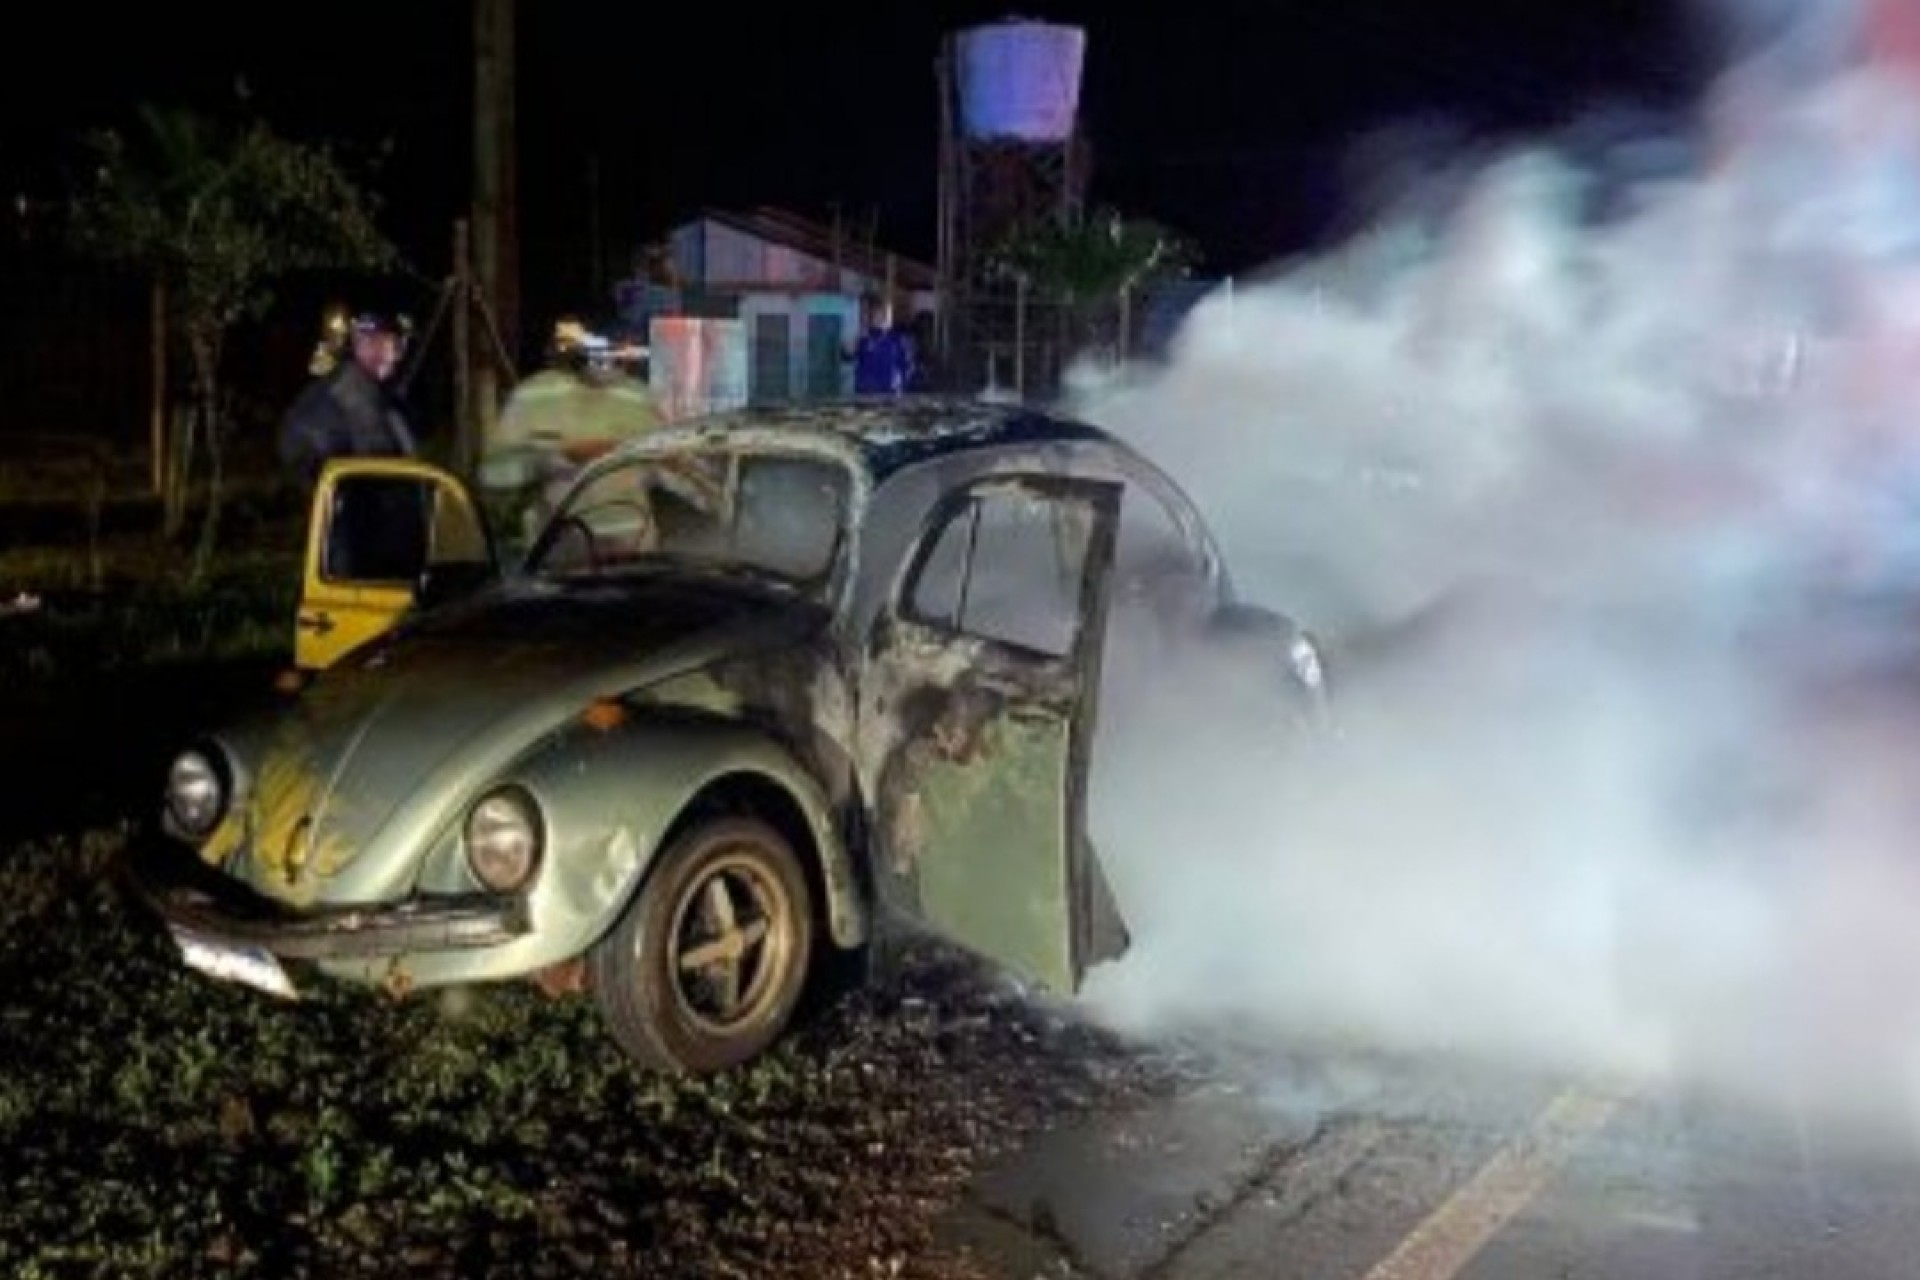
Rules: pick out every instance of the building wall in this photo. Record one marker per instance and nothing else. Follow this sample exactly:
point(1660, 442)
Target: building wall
point(797, 344)
point(720, 256)
point(799, 312)
point(698, 365)
point(716, 256)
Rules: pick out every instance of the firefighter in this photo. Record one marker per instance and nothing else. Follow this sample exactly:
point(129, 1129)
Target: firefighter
point(582, 404)
point(349, 408)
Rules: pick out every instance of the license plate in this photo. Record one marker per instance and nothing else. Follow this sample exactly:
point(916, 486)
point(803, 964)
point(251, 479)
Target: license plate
point(252, 966)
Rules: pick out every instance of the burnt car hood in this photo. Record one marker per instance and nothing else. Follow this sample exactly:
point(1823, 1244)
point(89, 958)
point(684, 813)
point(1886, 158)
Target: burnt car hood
point(383, 749)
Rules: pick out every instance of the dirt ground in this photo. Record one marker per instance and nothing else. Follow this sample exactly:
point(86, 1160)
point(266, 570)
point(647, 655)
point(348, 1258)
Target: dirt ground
point(959, 1068)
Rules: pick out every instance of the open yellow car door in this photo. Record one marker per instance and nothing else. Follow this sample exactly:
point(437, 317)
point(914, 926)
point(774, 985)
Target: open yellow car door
point(379, 532)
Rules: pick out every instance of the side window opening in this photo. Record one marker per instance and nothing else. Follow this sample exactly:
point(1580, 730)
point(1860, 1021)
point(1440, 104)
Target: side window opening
point(1006, 566)
point(1149, 542)
point(456, 537)
point(1160, 576)
point(378, 529)
point(396, 528)
point(780, 515)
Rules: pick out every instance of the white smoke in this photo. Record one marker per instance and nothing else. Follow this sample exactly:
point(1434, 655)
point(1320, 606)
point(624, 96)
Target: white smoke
point(1601, 518)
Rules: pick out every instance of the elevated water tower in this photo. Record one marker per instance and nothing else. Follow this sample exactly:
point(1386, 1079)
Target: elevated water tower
point(1011, 152)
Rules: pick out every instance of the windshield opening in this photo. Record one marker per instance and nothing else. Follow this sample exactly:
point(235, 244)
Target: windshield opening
point(770, 515)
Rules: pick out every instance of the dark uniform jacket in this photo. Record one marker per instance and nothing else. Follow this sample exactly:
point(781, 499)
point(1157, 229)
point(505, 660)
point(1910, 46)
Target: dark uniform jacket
point(346, 413)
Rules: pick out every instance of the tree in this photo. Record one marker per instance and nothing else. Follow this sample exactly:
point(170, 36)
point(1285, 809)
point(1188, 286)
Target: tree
point(1092, 266)
point(215, 215)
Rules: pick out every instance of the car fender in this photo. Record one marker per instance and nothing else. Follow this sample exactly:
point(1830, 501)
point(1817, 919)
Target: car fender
point(613, 793)
point(1269, 644)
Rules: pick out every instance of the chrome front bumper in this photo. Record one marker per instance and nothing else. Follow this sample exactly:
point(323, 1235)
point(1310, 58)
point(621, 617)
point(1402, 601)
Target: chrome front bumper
point(192, 897)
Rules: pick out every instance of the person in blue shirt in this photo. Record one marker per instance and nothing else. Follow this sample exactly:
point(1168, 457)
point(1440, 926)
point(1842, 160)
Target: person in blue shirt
point(883, 361)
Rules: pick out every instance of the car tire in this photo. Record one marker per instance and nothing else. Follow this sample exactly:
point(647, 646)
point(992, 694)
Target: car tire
point(705, 968)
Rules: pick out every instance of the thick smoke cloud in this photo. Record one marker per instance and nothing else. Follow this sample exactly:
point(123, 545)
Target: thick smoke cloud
point(1604, 496)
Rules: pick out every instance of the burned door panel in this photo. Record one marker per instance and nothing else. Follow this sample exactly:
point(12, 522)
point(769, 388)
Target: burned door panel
point(977, 708)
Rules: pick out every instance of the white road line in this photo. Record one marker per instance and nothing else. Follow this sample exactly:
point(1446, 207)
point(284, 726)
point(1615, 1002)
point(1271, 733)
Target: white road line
point(1449, 1237)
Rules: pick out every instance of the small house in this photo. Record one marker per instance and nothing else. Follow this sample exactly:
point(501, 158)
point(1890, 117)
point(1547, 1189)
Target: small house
point(797, 288)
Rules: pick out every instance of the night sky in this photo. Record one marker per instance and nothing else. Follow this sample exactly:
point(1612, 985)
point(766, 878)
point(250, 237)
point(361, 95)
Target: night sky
point(1223, 120)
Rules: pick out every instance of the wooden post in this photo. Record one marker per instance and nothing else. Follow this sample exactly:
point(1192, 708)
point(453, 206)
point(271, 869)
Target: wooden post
point(596, 248)
point(467, 434)
point(946, 284)
point(492, 269)
point(1020, 335)
point(157, 410)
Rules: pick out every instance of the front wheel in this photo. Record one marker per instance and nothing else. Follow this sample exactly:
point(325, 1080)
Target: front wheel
point(706, 966)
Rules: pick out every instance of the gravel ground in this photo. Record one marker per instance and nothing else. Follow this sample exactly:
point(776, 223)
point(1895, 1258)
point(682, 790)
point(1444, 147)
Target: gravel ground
point(956, 1067)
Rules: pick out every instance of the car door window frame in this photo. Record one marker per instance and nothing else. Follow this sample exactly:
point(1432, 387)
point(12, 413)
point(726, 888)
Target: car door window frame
point(969, 505)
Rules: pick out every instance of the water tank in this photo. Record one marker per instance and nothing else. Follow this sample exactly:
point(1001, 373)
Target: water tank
point(1020, 80)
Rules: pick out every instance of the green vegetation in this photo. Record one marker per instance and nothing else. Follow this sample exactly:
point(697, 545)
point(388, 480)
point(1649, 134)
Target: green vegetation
point(193, 1128)
point(156, 1123)
point(109, 598)
point(1092, 267)
point(214, 215)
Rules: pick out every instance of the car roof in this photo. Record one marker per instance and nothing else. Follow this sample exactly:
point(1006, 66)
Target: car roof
point(883, 436)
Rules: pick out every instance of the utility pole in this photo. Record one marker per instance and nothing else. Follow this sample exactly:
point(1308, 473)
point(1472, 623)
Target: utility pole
point(596, 261)
point(496, 257)
point(947, 284)
point(457, 298)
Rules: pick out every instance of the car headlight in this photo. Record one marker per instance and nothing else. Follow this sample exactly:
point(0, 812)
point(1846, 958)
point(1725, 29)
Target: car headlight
point(1303, 656)
point(198, 788)
point(504, 839)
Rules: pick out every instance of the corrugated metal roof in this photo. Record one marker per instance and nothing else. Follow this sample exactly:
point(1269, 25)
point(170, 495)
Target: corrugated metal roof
point(803, 235)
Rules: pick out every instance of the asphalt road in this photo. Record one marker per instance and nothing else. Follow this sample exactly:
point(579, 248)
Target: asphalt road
point(1420, 1171)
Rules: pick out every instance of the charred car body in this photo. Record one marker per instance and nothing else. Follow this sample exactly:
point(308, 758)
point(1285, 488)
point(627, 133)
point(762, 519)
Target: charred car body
point(761, 685)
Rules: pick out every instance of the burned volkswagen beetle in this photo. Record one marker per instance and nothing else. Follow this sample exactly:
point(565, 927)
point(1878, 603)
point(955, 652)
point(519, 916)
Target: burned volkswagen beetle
point(762, 685)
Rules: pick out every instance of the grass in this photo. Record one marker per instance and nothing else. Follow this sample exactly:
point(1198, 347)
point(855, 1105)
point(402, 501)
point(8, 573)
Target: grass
point(113, 594)
point(199, 1129)
point(157, 1123)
